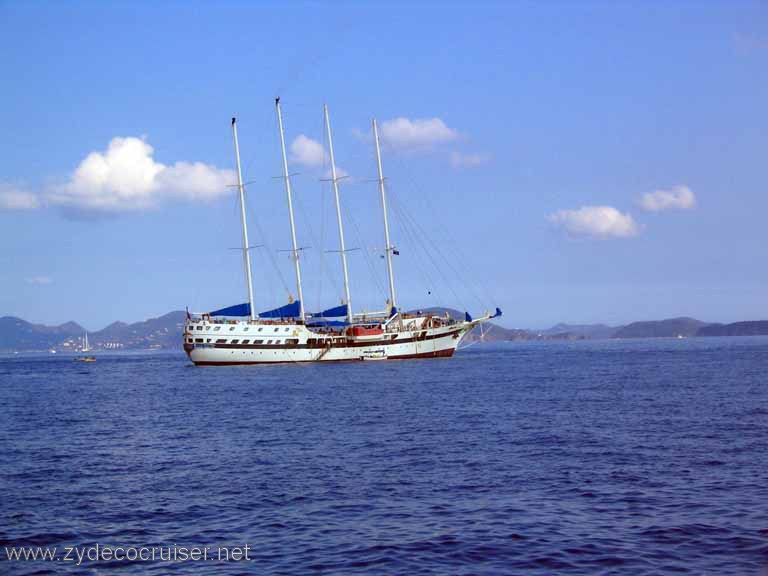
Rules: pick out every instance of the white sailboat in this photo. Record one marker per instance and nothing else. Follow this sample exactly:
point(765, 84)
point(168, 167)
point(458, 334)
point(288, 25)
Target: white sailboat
point(237, 335)
point(86, 348)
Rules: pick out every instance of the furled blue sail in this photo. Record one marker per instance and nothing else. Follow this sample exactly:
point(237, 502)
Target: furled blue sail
point(236, 310)
point(332, 312)
point(291, 310)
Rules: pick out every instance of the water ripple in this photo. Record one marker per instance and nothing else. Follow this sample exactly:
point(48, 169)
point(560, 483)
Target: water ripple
point(647, 457)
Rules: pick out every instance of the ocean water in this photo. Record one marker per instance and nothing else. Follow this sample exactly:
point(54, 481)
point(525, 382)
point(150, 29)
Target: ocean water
point(614, 457)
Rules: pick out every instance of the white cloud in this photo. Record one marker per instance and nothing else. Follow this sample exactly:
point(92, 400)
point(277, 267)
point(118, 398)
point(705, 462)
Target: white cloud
point(416, 134)
point(126, 177)
point(307, 152)
point(312, 154)
point(39, 280)
point(459, 160)
point(12, 198)
point(195, 181)
point(676, 198)
point(596, 221)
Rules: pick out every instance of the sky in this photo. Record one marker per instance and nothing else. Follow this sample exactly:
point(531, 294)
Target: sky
point(574, 162)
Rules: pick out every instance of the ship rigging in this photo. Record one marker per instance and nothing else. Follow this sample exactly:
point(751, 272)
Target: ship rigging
point(238, 335)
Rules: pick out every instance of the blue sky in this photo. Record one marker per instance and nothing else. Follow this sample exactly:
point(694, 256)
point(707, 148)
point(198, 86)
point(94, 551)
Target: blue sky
point(578, 162)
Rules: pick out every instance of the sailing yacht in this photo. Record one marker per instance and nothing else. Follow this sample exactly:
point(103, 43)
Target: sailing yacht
point(238, 335)
point(85, 348)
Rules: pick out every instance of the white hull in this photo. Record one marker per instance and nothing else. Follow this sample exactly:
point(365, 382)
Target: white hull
point(217, 343)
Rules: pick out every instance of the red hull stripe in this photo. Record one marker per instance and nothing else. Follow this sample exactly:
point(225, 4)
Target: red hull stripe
point(440, 354)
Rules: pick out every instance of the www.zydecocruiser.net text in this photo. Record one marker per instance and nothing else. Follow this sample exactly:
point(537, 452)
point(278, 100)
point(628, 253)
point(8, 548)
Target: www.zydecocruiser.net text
point(106, 553)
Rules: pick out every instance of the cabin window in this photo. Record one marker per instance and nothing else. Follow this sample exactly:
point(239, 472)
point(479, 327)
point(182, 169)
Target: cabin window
point(189, 340)
point(235, 341)
point(292, 341)
point(245, 329)
point(207, 340)
point(199, 327)
point(277, 329)
point(286, 329)
point(200, 340)
point(258, 341)
point(217, 328)
point(269, 341)
point(246, 341)
point(231, 328)
point(260, 329)
point(221, 341)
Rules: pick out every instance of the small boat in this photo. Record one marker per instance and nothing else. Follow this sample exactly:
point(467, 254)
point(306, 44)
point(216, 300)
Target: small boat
point(376, 354)
point(86, 347)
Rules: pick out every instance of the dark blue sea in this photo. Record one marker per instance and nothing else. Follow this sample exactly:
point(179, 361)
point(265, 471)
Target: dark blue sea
point(612, 457)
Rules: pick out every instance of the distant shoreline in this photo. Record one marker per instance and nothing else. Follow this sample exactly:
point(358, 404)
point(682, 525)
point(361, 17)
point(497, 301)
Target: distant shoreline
point(164, 333)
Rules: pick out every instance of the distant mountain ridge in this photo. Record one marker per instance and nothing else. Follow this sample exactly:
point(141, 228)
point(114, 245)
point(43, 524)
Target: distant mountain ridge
point(586, 331)
point(749, 328)
point(669, 328)
point(18, 334)
point(164, 332)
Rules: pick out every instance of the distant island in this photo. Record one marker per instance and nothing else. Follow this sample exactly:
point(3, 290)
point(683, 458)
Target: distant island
point(164, 332)
point(17, 335)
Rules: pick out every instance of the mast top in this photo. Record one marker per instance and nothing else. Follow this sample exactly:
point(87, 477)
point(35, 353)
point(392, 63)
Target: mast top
point(233, 120)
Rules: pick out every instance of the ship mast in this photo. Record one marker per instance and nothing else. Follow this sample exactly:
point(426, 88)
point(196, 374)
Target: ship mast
point(246, 254)
point(342, 248)
point(287, 179)
point(388, 248)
